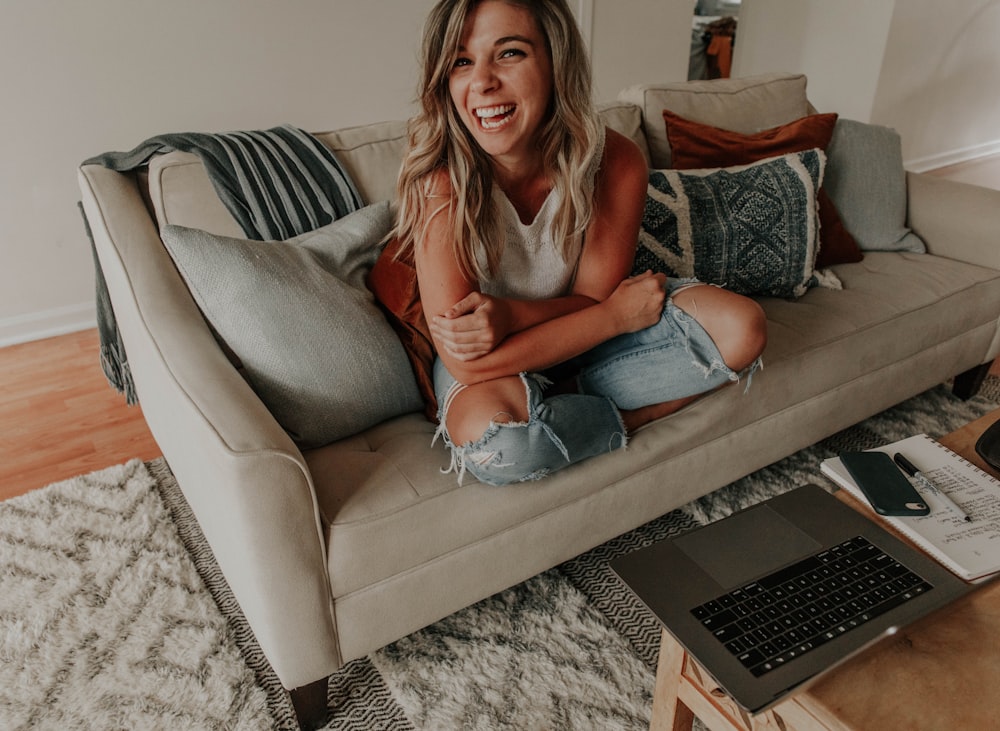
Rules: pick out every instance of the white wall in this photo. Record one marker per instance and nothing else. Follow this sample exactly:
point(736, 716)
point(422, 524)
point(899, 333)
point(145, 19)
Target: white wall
point(940, 81)
point(639, 41)
point(928, 69)
point(838, 45)
point(81, 78)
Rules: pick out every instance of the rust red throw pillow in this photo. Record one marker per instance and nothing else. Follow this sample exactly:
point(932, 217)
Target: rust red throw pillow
point(694, 145)
point(393, 281)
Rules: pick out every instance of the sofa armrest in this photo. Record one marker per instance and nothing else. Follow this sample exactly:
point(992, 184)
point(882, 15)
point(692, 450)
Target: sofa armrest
point(244, 478)
point(955, 220)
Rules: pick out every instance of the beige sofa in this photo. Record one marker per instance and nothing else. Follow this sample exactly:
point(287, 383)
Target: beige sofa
point(336, 551)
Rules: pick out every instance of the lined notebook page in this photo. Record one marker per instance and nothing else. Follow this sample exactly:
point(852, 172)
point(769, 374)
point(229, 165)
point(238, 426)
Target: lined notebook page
point(969, 549)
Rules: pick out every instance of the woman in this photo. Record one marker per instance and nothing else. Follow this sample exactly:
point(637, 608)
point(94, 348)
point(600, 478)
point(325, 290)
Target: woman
point(523, 212)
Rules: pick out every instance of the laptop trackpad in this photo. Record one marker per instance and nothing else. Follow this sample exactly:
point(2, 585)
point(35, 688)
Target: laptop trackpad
point(746, 545)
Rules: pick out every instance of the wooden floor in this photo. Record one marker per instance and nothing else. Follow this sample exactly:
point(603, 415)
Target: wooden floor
point(59, 417)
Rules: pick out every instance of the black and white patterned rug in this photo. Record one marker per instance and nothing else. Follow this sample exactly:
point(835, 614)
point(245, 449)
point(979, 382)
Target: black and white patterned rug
point(113, 614)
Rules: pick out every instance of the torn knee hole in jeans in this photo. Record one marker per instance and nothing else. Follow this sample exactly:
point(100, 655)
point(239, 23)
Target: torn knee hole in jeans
point(486, 453)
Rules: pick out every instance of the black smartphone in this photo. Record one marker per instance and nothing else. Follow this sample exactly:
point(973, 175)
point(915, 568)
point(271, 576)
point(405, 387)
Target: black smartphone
point(886, 488)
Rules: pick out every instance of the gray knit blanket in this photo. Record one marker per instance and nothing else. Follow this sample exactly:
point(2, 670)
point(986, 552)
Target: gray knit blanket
point(276, 183)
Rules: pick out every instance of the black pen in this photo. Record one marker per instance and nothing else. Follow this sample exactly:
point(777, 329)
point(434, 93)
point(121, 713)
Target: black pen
point(910, 469)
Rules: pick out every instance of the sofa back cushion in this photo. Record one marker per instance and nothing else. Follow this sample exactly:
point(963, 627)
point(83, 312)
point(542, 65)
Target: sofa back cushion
point(371, 155)
point(182, 194)
point(746, 105)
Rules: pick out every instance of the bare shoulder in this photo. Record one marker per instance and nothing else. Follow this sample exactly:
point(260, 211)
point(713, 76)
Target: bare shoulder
point(623, 174)
point(622, 157)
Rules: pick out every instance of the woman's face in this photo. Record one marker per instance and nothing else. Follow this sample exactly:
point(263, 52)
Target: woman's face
point(501, 81)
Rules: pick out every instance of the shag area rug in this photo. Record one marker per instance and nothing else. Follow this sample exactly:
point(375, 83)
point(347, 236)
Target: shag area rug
point(113, 615)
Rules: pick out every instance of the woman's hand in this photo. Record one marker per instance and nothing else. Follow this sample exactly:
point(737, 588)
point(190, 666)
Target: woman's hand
point(637, 302)
point(472, 327)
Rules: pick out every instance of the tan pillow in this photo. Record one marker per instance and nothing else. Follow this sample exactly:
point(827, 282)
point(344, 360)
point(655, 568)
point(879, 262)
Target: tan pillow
point(371, 155)
point(746, 105)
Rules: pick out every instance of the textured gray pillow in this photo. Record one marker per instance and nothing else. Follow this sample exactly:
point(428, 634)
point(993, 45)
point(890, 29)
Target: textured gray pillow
point(752, 229)
point(867, 183)
point(312, 343)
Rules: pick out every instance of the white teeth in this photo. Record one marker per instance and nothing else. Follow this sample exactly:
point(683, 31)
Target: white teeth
point(495, 125)
point(494, 117)
point(494, 111)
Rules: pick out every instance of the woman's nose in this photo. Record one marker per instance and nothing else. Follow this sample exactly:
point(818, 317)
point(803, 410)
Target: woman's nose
point(484, 78)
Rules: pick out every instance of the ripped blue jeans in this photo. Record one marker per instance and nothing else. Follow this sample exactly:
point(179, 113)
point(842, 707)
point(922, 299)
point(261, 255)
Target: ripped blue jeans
point(670, 360)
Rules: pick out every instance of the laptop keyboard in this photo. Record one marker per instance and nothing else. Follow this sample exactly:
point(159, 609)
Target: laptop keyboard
point(794, 610)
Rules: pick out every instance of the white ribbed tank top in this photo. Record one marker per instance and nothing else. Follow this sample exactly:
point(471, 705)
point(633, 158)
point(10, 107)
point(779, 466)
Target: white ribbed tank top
point(532, 265)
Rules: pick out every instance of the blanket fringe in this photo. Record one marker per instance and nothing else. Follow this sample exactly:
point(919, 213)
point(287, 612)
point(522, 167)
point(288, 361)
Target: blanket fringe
point(116, 370)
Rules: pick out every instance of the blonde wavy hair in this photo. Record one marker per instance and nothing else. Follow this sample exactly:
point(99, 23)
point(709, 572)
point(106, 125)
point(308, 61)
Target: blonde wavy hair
point(439, 139)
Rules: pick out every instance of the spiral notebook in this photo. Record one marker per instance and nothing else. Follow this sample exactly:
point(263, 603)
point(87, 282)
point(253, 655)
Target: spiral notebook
point(969, 549)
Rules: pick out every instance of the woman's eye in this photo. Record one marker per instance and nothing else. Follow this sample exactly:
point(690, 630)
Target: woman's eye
point(511, 53)
point(459, 62)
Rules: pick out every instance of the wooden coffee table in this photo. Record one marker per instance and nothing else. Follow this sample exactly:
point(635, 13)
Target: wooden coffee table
point(941, 673)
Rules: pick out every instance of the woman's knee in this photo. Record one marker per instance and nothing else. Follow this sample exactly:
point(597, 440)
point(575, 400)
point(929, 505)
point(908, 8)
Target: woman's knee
point(736, 324)
point(496, 433)
point(749, 333)
point(477, 407)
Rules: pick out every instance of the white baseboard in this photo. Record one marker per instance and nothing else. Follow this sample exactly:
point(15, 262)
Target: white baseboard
point(953, 157)
point(47, 324)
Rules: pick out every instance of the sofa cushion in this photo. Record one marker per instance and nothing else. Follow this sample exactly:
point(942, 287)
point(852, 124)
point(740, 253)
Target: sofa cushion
point(371, 155)
point(867, 184)
point(303, 329)
point(696, 145)
point(750, 228)
point(743, 105)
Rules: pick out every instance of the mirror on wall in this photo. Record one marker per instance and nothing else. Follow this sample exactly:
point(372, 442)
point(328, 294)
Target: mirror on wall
point(713, 36)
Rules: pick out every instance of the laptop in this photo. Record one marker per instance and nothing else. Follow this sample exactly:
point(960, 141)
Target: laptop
point(771, 597)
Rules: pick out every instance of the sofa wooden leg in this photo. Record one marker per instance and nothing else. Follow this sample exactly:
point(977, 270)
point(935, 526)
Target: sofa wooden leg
point(309, 702)
point(967, 384)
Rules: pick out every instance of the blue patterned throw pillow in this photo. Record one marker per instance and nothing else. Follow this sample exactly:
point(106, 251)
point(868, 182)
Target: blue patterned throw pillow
point(753, 229)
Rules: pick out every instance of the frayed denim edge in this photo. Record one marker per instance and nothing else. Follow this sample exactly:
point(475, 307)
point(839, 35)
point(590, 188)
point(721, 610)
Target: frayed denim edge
point(461, 454)
point(622, 434)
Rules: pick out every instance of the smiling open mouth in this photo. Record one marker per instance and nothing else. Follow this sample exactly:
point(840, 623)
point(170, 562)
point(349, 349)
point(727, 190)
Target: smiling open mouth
point(495, 117)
